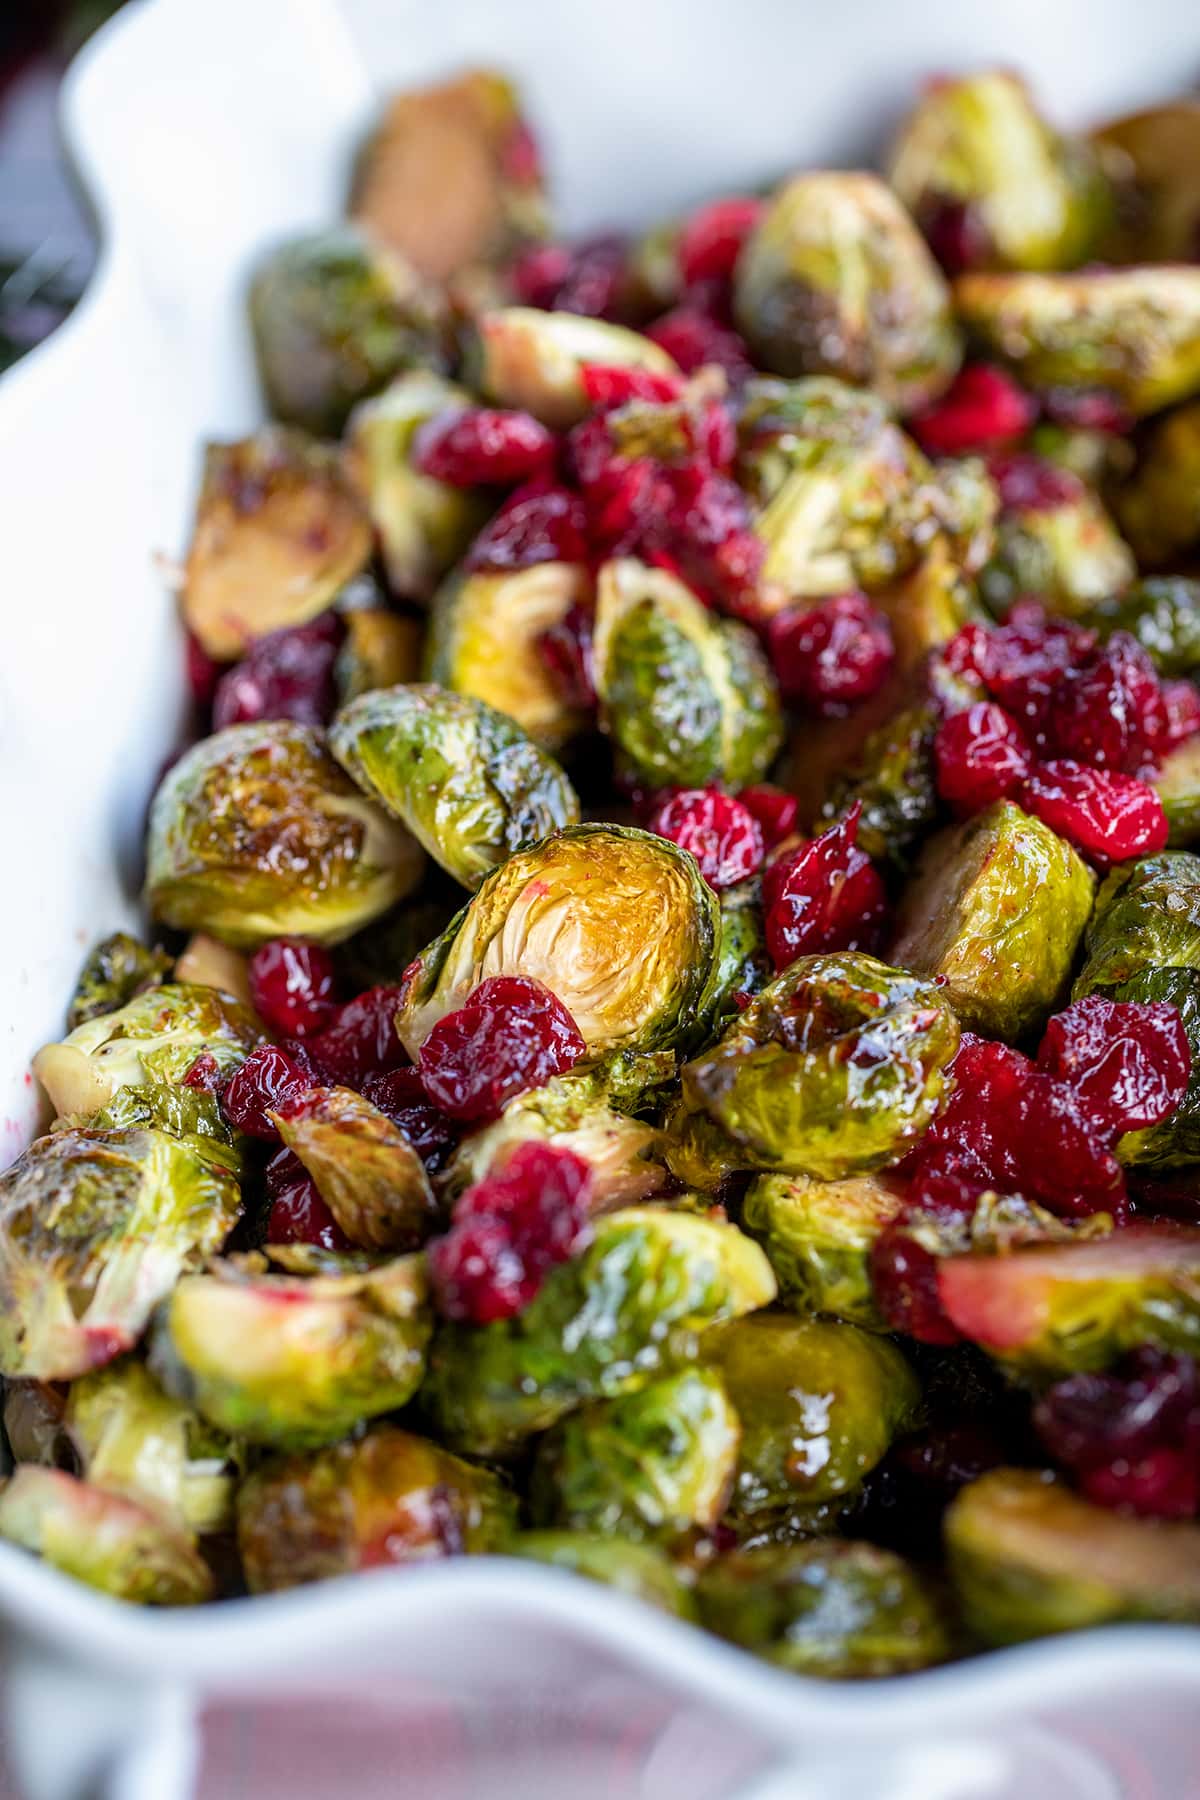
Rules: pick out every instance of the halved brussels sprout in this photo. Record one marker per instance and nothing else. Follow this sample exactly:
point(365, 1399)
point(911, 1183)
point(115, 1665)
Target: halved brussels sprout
point(1147, 916)
point(819, 1403)
point(836, 1068)
point(483, 640)
point(836, 280)
point(1163, 614)
point(1159, 504)
point(423, 525)
point(1155, 157)
point(132, 1439)
point(293, 1362)
point(115, 971)
point(1177, 784)
point(204, 962)
point(95, 1228)
point(1028, 1558)
point(256, 833)
point(1070, 555)
point(464, 778)
point(651, 1465)
point(641, 1570)
point(380, 650)
point(995, 911)
point(626, 1310)
point(386, 1497)
point(824, 1608)
point(335, 314)
point(1133, 332)
point(535, 360)
point(366, 1171)
point(278, 534)
point(818, 1236)
point(126, 1550)
point(1174, 1142)
point(687, 697)
point(1036, 200)
point(618, 923)
point(743, 965)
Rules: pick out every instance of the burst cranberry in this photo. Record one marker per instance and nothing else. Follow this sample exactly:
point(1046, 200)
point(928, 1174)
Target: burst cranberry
point(981, 756)
point(1109, 817)
point(982, 407)
point(834, 655)
point(711, 536)
point(904, 1279)
point(509, 1231)
point(613, 384)
point(1063, 1159)
point(538, 523)
point(1024, 663)
point(721, 833)
point(203, 673)
point(1131, 1436)
point(538, 274)
point(1031, 484)
point(204, 1074)
point(827, 895)
point(713, 432)
point(298, 1215)
point(566, 650)
point(1112, 714)
point(292, 986)
point(477, 446)
point(1127, 1063)
point(362, 1039)
point(595, 278)
point(775, 811)
point(268, 1079)
point(695, 341)
point(400, 1093)
point(712, 238)
point(956, 233)
point(1181, 713)
point(285, 675)
point(511, 1034)
point(1088, 409)
point(972, 1143)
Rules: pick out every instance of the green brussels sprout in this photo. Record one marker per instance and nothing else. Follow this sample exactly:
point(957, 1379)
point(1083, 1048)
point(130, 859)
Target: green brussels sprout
point(894, 779)
point(819, 1403)
point(743, 965)
point(651, 1465)
point(424, 525)
point(641, 1570)
point(1175, 1141)
point(836, 280)
point(618, 923)
point(1159, 504)
point(293, 1362)
point(1177, 784)
point(381, 649)
point(1154, 156)
point(652, 280)
point(183, 1111)
point(116, 970)
point(33, 1422)
point(1099, 458)
point(95, 1228)
point(818, 1236)
point(687, 697)
point(111, 1543)
point(366, 1171)
point(1147, 916)
point(1028, 1558)
point(1133, 332)
point(824, 1608)
point(385, 1497)
point(464, 779)
point(278, 534)
point(154, 1038)
point(627, 1309)
point(536, 360)
point(835, 1069)
point(335, 315)
point(256, 833)
point(1070, 555)
point(1037, 200)
point(996, 911)
point(483, 640)
point(131, 1439)
point(1163, 614)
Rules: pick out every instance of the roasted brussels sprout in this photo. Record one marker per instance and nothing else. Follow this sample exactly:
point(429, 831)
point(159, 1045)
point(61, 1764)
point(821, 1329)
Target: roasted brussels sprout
point(1035, 200)
point(836, 280)
point(619, 924)
point(1177, 784)
point(278, 534)
point(483, 640)
point(1133, 332)
point(536, 360)
point(381, 649)
point(386, 1497)
point(650, 1465)
point(1028, 1557)
point(640, 1570)
point(836, 1068)
point(293, 1362)
point(995, 912)
point(335, 315)
point(204, 962)
point(1163, 614)
point(824, 1608)
point(892, 777)
point(1155, 157)
point(126, 1550)
point(117, 969)
point(366, 1171)
point(687, 697)
point(743, 966)
point(819, 1403)
point(256, 833)
point(1070, 555)
point(818, 1236)
point(95, 1227)
point(1147, 916)
point(1159, 504)
point(607, 1323)
point(465, 779)
point(1174, 1142)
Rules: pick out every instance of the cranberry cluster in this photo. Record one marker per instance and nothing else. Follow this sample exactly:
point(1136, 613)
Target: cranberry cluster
point(1130, 1436)
point(985, 409)
point(833, 656)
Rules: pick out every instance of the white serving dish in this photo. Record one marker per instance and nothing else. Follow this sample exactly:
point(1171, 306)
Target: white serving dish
point(203, 129)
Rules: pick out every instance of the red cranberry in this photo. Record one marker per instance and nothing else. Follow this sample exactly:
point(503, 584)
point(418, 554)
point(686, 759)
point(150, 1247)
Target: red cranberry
point(775, 811)
point(956, 233)
point(1088, 409)
point(1111, 715)
point(721, 833)
point(712, 238)
point(904, 1279)
point(566, 650)
point(972, 1143)
point(833, 656)
point(981, 756)
point(292, 986)
point(477, 446)
point(1024, 663)
point(362, 1039)
point(713, 433)
point(299, 1216)
point(268, 1079)
point(538, 523)
point(203, 673)
point(1031, 484)
point(285, 675)
point(827, 895)
point(1062, 1159)
point(614, 384)
point(1108, 816)
point(538, 274)
point(982, 407)
point(400, 1093)
point(204, 1074)
point(1181, 710)
point(711, 537)
point(595, 278)
point(1131, 1435)
point(1128, 1063)
point(695, 341)
point(510, 1035)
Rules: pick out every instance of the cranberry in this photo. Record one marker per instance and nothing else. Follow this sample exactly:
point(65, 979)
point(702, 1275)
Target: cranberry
point(538, 274)
point(204, 1074)
point(1024, 663)
point(1108, 816)
point(721, 833)
point(904, 1279)
point(285, 675)
point(538, 523)
point(827, 895)
point(292, 986)
point(299, 1216)
point(566, 650)
point(203, 673)
point(834, 655)
point(983, 406)
point(1181, 713)
point(713, 432)
point(1112, 714)
point(283, 1170)
point(981, 756)
point(614, 384)
point(1127, 1063)
point(1088, 409)
point(775, 811)
point(712, 238)
point(627, 497)
point(510, 1035)
point(595, 278)
point(400, 1094)
point(1131, 1436)
point(362, 1039)
point(1063, 1160)
point(269, 1078)
point(476, 446)
point(696, 341)
point(956, 233)
point(972, 1143)
point(1031, 484)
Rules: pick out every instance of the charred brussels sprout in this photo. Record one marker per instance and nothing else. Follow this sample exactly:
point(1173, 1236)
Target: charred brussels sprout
point(1147, 916)
point(618, 923)
point(651, 1465)
point(640, 1570)
point(1071, 555)
point(1028, 1558)
point(335, 315)
point(115, 971)
point(818, 1236)
point(688, 698)
point(1175, 1142)
point(1159, 504)
point(836, 280)
point(824, 1608)
point(1163, 614)
point(256, 833)
point(95, 1228)
point(386, 1497)
point(278, 534)
point(626, 1310)
point(1155, 157)
point(467, 782)
point(113, 1544)
point(291, 1362)
point(536, 360)
point(996, 911)
point(1177, 784)
point(1133, 332)
point(366, 1171)
point(380, 650)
